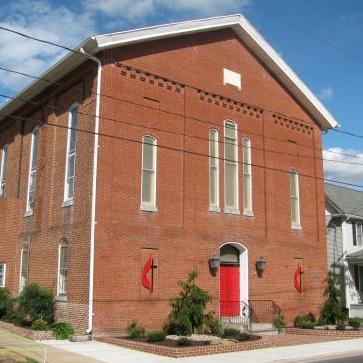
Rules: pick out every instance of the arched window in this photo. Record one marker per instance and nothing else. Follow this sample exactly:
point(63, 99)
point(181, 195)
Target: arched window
point(71, 154)
point(62, 267)
point(24, 267)
point(229, 255)
point(230, 168)
point(4, 162)
point(148, 177)
point(213, 171)
point(32, 170)
point(294, 199)
point(247, 177)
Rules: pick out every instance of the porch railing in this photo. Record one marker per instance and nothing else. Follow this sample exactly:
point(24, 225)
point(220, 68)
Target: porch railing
point(264, 311)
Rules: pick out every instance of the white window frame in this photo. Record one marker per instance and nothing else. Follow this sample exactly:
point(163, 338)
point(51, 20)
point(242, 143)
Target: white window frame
point(247, 171)
point(356, 241)
point(61, 291)
point(295, 224)
point(214, 207)
point(3, 275)
point(21, 280)
point(67, 199)
point(357, 278)
point(145, 206)
point(32, 171)
point(229, 209)
point(4, 159)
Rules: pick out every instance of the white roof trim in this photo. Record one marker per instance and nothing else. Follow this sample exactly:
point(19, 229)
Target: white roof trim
point(247, 33)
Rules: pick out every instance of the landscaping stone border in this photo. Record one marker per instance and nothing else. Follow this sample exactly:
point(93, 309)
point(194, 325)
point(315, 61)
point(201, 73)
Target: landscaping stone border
point(187, 351)
point(326, 332)
point(27, 333)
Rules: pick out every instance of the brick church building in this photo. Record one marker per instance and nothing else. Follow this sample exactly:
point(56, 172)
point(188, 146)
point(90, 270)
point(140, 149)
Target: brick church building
point(145, 153)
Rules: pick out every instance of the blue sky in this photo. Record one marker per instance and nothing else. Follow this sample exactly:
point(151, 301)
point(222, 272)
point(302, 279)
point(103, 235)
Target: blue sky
point(332, 68)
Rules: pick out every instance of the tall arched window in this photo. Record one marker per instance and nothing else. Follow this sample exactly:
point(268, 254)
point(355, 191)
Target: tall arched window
point(63, 267)
point(24, 267)
point(71, 154)
point(4, 162)
point(247, 177)
point(213, 171)
point(230, 168)
point(32, 170)
point(148, 177)
point(294, 199)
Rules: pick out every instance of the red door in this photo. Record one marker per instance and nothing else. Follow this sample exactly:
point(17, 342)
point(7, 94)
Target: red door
point(229, 294)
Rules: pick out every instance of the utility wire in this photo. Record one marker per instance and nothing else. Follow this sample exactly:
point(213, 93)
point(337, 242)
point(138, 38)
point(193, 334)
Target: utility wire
point(133, 124)
point(182, 151)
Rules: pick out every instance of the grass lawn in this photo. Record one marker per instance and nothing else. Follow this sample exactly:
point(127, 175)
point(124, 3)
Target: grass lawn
point(14, 357)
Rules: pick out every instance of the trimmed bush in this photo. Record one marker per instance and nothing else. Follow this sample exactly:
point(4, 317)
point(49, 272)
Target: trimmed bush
point(301, 319)
point(6, 302)
point(354, 323)
point(40, 325)
point(135, 331)
point(231, 332)
point(279, 322)
point(14, 318)
point(37, 303)
point(62, 330)
point(156, 336)
point(307, 325)
point(187, 310)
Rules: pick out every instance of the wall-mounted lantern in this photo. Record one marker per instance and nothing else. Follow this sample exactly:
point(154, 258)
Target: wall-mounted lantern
point(260, 266)
point(214, 262)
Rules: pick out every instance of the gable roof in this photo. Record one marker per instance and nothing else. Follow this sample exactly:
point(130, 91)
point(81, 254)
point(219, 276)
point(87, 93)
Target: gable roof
point(238, 23)
point(344, 200)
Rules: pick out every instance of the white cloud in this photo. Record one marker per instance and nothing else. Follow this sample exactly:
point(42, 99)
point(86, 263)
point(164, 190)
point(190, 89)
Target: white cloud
point(338, 171)
point(134, 10)
point(41, 20)
point(326, 93)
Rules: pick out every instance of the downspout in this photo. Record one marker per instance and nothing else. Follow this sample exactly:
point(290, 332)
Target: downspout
point(94, 190)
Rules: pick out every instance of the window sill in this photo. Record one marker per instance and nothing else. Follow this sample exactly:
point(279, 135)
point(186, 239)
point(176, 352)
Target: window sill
point(213, 208)
point(232, 211)
point(296, 227)
point(61, 298)
point(67, 203)
point(248, 213)
point(148, 208)
point(29, 213)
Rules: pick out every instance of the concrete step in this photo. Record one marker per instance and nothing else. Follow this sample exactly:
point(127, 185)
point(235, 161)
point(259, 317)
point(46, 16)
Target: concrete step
point(263, 328)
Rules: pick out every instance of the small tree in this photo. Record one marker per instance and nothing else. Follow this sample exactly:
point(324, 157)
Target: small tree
point(331, 312)
point(187, 310)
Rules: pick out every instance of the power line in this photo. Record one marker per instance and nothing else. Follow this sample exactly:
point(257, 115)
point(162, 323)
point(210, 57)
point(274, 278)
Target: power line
point(133, 124)
point(183, 151)
point(322, 40)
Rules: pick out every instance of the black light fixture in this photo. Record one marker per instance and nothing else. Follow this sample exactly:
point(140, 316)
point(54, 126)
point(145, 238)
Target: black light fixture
point(260, 265)
point(214, 262)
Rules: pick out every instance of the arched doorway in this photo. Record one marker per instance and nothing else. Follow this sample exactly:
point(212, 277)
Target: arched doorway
point(233, 279)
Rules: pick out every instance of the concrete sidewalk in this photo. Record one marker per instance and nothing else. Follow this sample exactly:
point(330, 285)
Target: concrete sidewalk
point(112, 354)
point(16, 346)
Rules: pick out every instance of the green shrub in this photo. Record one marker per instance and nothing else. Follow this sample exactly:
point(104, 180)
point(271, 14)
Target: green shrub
point(243, 337)
point(301, 319)
point(187, 310)
point(279, 322)
point(6, 302)
point(212, 324)
point(184, 342)
point(231, 332)
point(156, 336)
point(308, 325)
point(331, 312)
point(62, 330)
point(354, 323)
point(37, 303)
point(14, 318)
point(341, 326)
point(40, 325)
point(135, 331)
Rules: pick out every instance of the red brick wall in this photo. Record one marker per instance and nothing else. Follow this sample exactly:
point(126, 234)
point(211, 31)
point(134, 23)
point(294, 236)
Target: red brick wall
point(183, 231)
